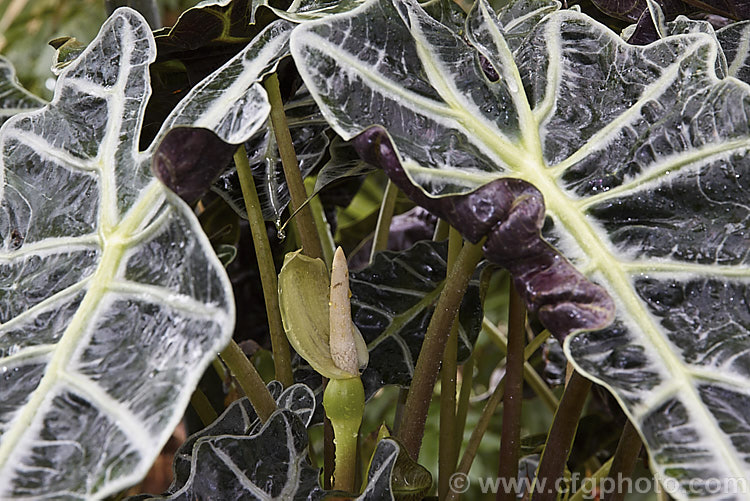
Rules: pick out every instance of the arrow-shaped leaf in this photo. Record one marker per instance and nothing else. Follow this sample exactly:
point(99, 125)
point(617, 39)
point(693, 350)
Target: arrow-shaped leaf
point(113, 301)
point(641, 156)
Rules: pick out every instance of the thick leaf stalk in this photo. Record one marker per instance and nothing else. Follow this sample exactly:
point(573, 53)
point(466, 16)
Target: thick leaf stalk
point(510, 445)
point(267, 269)
point(489, 410)
point(449, 444)
point(560, 438)
point(249, 379)
point(623, 462)
point(428, 363)
point(304, 221)
point(385, 216)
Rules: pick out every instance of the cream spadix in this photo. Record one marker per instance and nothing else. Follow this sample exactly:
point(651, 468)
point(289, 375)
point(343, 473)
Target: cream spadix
point(348, 348)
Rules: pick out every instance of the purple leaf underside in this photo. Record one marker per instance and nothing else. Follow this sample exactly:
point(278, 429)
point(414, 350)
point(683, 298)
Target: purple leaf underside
point(188, 160)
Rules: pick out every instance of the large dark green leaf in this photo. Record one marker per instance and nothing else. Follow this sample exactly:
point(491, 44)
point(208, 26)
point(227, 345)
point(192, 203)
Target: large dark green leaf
point(270, 463)
point(641, 157)
point(239, 419)
point(113, 301)
point(206, 36)
point(203, 38)
point(14, 98)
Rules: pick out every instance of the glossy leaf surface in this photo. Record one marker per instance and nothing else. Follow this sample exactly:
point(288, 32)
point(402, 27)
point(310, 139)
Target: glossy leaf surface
point(379, 485)
point(641, 157)
point(735, 41)
point(113, 300)
point(269, 463)
point(202, 39)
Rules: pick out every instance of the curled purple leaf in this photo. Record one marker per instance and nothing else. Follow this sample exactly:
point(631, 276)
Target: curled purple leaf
point(188, 160)
point(510, 213)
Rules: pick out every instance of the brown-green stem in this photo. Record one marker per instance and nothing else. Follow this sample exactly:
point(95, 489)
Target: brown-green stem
point(399, 414)
point(442, 229)
point(200, 404)
point(623, 462)
point(321, 224)
point(462, 409)
point(489, 409)
point(560, 438)
point(448, 447)
point(303, 221)
point(510, 445)
point(250, 381)
point(530, 375)
point(428, 363)
point(268, 278)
